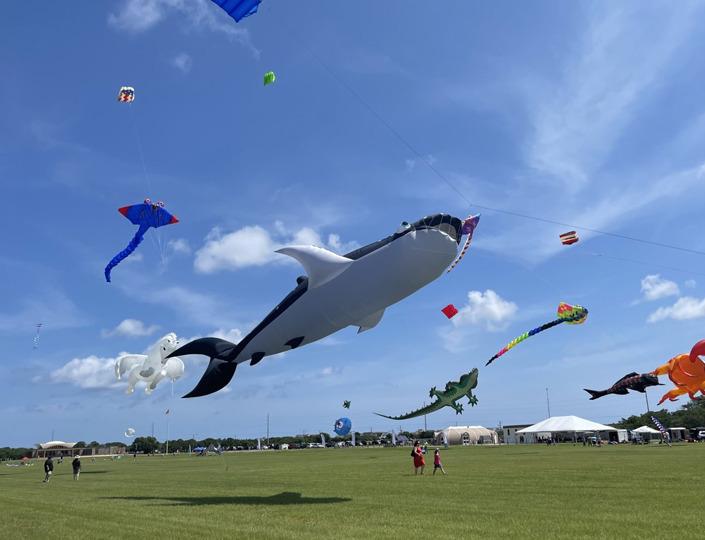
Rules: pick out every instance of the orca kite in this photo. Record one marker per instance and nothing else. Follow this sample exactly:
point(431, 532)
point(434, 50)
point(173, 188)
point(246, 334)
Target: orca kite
point(338, 291)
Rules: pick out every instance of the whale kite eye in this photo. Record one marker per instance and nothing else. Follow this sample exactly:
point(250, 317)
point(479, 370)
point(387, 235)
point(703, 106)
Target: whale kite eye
point(403, 227)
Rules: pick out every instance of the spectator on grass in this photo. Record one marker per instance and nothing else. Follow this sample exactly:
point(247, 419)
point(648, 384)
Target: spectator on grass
point(48, 468)
point(437, 462)
point(76, 464)
point(419, 461)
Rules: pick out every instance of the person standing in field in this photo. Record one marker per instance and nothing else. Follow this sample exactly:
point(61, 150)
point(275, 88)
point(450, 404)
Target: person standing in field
point(437, 462)
point(76, 464)
point(419, 461)
point(48, 468)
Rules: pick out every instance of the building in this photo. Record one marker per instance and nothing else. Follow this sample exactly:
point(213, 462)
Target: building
point(56, 449)
point(510, 434)
point(465, 435)
point(68, 449)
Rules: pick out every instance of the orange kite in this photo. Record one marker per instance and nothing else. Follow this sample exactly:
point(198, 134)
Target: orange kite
point(686, 371)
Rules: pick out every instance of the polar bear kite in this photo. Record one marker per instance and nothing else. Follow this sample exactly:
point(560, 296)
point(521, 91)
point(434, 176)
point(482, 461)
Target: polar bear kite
point(152, 367)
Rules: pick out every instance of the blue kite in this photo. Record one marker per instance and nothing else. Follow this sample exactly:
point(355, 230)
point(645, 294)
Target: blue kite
point(146, 215)
point(342, 426)
point(239, 9)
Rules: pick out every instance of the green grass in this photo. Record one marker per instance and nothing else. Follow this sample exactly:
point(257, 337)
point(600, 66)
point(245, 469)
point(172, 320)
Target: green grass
point(497, 492)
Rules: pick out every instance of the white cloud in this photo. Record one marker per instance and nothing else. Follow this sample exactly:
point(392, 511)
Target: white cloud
point(234, 335)
point(131, 328)
point(137, 16)
point(618, 62)
point(655, 287)
point(411, 163)
point(253, 245)
point(89, 372)
point(685, 308)
point(179, 245)
point(486, 309)
point(183, 62)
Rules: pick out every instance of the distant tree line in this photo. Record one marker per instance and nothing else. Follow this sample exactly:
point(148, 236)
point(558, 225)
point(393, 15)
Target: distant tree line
point(14, 453)
point(150, 445)
point(691, 415)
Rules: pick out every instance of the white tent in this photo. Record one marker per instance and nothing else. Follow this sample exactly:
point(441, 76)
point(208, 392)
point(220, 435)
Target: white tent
point(646, 429)
point(572, 424)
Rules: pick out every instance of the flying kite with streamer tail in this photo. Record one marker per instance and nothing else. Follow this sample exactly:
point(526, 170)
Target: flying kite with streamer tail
point(468, 229)
point(664, 433)
point(35, 341)
point(146, 215)
point(566, 314)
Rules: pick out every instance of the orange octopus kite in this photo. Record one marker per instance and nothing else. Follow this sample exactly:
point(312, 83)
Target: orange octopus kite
point(686, 371)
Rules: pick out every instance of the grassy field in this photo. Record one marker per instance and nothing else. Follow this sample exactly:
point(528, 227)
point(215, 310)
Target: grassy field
point(497, 492)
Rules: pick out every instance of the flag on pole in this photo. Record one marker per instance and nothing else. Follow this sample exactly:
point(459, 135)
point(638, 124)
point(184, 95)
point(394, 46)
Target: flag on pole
point(568, 238)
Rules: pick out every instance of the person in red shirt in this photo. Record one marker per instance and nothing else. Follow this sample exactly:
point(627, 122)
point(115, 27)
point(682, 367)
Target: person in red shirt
point(437, 462)
point(419, 461)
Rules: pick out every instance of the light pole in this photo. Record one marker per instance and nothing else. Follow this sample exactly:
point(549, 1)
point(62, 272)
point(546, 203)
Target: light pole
point(548, 404)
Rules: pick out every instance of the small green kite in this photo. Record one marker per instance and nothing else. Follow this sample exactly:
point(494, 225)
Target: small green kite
point(269, 78)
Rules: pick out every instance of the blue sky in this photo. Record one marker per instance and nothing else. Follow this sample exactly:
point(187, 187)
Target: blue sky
point(585, 113)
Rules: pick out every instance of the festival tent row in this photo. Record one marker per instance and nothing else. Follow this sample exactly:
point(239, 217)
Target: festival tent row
point(564, 425)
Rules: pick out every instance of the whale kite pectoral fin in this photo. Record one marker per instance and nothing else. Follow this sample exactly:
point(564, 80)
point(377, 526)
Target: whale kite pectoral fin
point(370, 321)
point(256, 358)
point(217, 376)
point(320, 264)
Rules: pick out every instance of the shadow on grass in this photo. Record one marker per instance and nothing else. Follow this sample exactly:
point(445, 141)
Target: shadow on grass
point(93, 472)
point(285, 498)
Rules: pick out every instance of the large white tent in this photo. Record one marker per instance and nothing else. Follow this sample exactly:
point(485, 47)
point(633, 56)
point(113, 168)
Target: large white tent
point(646, 429)
point(566, 424)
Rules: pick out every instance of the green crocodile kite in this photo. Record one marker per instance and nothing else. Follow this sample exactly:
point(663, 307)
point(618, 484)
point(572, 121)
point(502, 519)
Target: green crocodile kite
point(453, 392)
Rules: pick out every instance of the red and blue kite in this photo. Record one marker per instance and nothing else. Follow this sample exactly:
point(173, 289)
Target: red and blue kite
point(146, 215)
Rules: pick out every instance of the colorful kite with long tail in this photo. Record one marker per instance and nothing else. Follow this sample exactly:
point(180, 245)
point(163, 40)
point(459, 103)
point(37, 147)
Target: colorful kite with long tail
point(146, 215)
point(566, 314)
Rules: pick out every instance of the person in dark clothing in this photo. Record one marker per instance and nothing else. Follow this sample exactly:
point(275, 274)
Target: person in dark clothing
point(48, 468)
point(76, 464)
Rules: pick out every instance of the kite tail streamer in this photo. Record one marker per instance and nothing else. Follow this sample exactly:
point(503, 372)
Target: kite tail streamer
point(662, 429)
point(468, 228)
point(566, 314)
point(132, 246)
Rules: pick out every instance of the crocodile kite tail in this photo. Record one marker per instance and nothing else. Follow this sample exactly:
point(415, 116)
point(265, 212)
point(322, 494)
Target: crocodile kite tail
point(132, 246)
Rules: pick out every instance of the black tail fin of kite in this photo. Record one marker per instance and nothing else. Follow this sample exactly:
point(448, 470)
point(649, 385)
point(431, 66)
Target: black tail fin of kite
point(594, 394)
point(217, 376)
point(221, 367)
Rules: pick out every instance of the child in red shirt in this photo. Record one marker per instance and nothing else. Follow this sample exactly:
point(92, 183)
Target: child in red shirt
point(437, 461)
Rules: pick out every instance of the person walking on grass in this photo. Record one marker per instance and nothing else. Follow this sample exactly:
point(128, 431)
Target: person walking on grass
point(76, 464)
point(48, 469)
point(437, 462)
point(419, 461)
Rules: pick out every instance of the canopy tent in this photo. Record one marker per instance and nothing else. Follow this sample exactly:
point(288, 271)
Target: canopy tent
point(572, 424)
point(646, 429)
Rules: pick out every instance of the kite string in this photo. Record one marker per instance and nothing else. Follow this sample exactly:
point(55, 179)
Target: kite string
point(157, 234)
point(440, 175)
